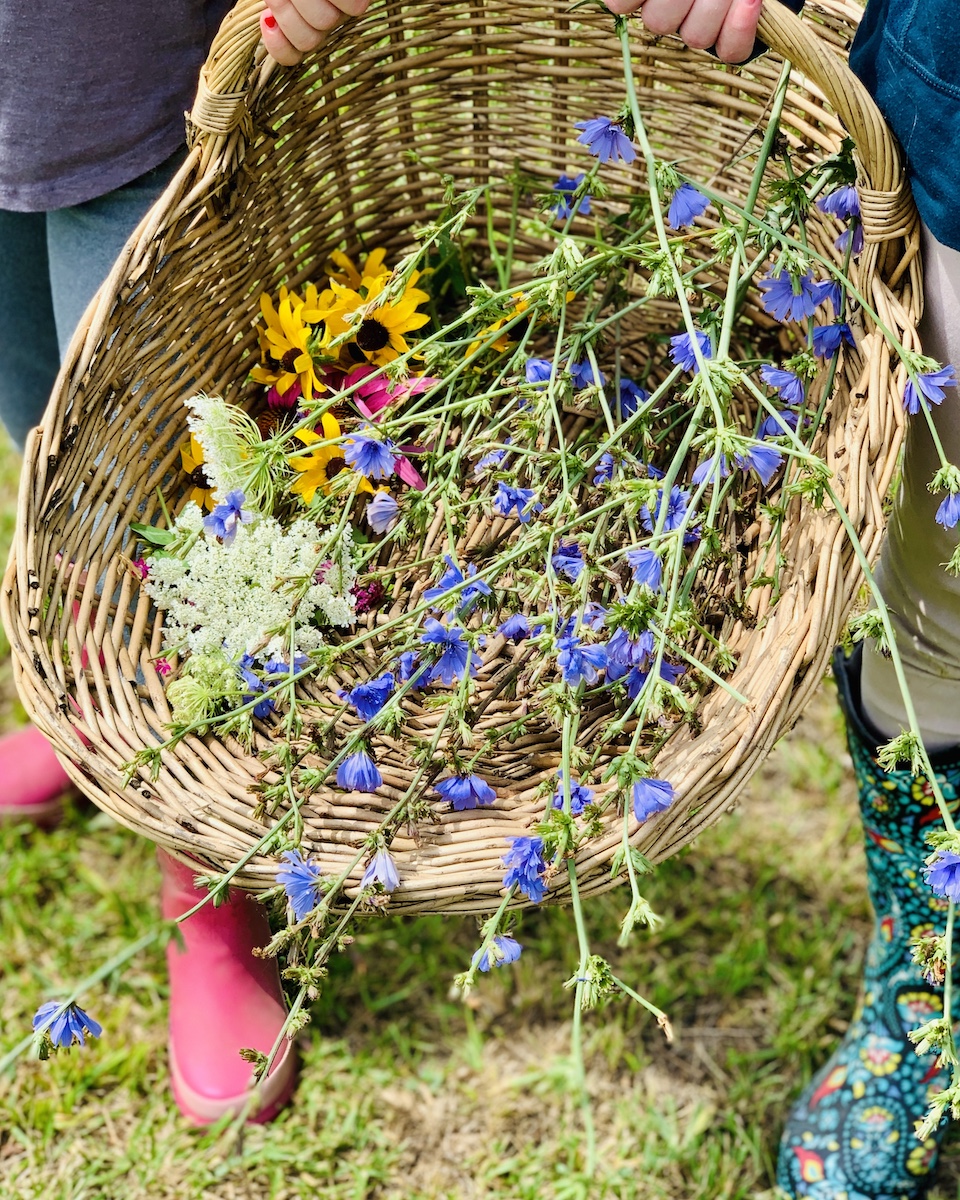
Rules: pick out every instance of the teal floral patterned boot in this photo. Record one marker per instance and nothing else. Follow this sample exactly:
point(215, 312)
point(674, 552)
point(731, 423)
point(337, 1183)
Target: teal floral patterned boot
point(851, 1136)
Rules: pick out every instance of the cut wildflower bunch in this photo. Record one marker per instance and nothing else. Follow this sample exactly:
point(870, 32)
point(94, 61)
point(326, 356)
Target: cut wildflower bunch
point(474, 537)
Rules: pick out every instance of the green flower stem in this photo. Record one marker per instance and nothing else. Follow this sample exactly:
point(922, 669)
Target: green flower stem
point(647, 151)
point(736, 287)
point(662, 1019)
point(914, 726)
point(492, 926)
point(951, 1054)
point(576, 1031)
point(702, 667)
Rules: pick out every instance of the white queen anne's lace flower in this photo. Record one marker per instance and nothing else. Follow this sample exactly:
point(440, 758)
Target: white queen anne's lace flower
point(244, 597)
point(225, 432)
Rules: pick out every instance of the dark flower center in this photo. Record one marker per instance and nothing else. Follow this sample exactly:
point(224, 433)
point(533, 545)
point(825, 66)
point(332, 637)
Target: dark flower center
point(289, 360)
point(516, 332)
point(335, 466)
point(354, 353)
point(372, 336)
point(199, 479)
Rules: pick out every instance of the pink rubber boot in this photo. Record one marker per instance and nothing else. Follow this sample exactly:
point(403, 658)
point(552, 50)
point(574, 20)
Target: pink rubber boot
point(222, 1000)
point(32, 782)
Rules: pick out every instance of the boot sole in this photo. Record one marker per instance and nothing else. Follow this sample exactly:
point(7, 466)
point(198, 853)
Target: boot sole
point(271, 1095)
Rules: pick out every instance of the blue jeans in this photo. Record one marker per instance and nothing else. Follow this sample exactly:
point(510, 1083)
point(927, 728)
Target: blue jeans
point(51, 264)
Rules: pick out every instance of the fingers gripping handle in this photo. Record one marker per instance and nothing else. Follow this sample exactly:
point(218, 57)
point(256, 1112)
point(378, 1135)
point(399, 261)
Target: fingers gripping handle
point(221, 112)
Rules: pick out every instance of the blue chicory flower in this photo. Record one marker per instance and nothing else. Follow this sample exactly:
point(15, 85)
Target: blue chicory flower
point(523, 500)
point(687, 204)
point(594, 616)
point(580, 795)
point(381, 869)
point(629, 398)
point(407, 665)
point(828, 338)
point(280, 666)
point(65, 1023)
point(713, 468)
point(368, 455)
point(790, 300)
point(646, 566)
point(538, 370)
point(368, 698)
point(683, 353)
point(382, 512)
point(948, 514)
point(773, 426)
point(651, 796)
point(855, 232)
point(526, 867)
point(301, 882)
point(578, 662)
point(843, 202)
point(450, 579)
point(638, 674)
point(493, 459)
point(606, 140)
point(764, 461)
point(929, 386)
point(566, 185)
point(583, 377)
point(255, 684)
point(358, 773)
point(943, 875)
point(830, 290)
point(515, 628)
point(456, 657)
point(505, 949)
point(465, 791)
point(603, 471)
point(789, 386)
point(676, 513)
point(567, 560)
point(225, 519)
point(625, 653)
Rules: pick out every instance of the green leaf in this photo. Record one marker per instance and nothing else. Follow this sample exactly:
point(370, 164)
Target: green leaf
point(152, 535)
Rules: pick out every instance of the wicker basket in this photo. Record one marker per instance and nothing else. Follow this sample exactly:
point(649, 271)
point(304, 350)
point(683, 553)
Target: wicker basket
point(286, 165)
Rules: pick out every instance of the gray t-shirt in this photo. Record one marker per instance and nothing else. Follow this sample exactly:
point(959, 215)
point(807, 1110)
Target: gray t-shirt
point(93, 92)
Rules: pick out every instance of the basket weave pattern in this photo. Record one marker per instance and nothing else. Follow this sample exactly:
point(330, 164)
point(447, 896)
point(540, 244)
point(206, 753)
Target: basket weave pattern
point(286, 166)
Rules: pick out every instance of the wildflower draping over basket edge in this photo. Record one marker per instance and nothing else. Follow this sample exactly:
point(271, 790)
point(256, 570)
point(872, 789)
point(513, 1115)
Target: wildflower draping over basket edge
point(384, 417)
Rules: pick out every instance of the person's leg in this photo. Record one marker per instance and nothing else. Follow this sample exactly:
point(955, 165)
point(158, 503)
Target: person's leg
point(851, 1133)
point(85, 240)
point(51, 264)
point(31, 779)
point(29, 357)
point(924, 599)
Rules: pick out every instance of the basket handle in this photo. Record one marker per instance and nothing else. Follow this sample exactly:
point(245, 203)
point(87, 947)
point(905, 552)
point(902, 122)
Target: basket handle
point(886, 202)
point(220, 119)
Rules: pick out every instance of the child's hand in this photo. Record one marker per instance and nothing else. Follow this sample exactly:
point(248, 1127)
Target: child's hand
point(290, 28)
point(728, 25)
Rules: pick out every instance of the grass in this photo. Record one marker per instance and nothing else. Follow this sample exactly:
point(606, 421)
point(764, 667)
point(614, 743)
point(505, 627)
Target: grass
point(407, 1094)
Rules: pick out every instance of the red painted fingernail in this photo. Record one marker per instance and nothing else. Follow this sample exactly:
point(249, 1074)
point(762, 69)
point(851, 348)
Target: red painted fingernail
point(270, 21)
